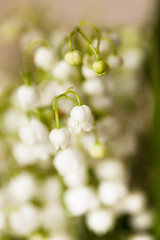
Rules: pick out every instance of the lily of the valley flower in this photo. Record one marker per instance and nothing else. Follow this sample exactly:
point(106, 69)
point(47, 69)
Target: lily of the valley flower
point(81, 118)
point(33, 132)
point(115, 61)
point(28, 96)
point(60, 138)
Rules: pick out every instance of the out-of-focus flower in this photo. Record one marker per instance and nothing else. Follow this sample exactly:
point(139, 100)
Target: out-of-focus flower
point(24, 220)
point(110, 192)
point(28, 96)
point(68, 160)
point(114, 61)
point(141, 236)
point(100, 221)
point(21, 188)
point(33, 132)
point(142, 221)
point(65, 72)
point(110, 169)
point(44, 58)
point(134, 203)
point(80, 199)
point(93, 86)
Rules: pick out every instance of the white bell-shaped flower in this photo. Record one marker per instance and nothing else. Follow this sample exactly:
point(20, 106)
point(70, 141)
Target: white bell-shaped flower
point(28, 96)
point(24, 220)
point(100, 221)
point(80, 199)
point(44, 58)
point(60, 137)
point(33, 132)
point(81, 119)
point(68, 161)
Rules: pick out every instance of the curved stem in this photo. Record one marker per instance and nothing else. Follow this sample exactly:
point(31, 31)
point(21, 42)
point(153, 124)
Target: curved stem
point(87, 23)
point(29, 49)
point(70, 40)
point(78, 30)
point(76, 94)
point(55, 104)
point(90, 44)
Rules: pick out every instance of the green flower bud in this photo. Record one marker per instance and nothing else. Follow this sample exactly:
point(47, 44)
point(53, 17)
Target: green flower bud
point(73, 58)
point(98, 150)
point(100, 67)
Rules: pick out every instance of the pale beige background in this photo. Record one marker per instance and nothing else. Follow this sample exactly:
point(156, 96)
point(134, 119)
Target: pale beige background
point(69, 12)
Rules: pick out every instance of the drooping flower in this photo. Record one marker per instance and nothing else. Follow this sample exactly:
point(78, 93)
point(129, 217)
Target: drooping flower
point(28, 96)
point(81, 119)
point(60, 138)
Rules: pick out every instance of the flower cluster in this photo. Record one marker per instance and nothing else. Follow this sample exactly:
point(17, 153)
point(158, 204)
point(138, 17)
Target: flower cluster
point(69, 150)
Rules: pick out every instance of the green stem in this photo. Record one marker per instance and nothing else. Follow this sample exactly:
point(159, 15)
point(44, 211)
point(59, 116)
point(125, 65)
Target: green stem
point(86, 23)
point(55, 107)
point(78, 30)
point(70, 40)
point(76, 94)
point(30, 47)
point(90, 44)
point(55, 104)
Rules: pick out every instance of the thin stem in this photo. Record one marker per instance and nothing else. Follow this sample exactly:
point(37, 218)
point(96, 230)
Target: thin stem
point(55, 108)
point(76, 94)
point(55, 104)
point(86, 23)
point(70, 40)
point(78, 30)
point(29, 49)
point(90, 44)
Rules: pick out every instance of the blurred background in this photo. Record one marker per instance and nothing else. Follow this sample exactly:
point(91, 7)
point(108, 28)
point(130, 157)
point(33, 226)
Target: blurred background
point(37, 202)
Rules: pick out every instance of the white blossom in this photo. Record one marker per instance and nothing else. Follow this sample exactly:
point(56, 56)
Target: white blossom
point(44, 58)
point(134, 202)
point(24, 220)
point(80, 199)
point(21, 188)
point(88, 72)
point(141, 236)
point(114, 61)
point(60, 138)
point(33, 132)
point(65, 72)
point(100, 221)
point(142, 221)
point(93, 86)
point(110, 192)
point(110, 169)
point(28, 96)
point(82, 118)
point(68, 160)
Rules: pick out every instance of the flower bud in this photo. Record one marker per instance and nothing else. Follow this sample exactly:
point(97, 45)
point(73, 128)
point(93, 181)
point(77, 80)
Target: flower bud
point(115, 61)
point(98, 150)
point(73, 58)
point(60, 137)
point(100, 67)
